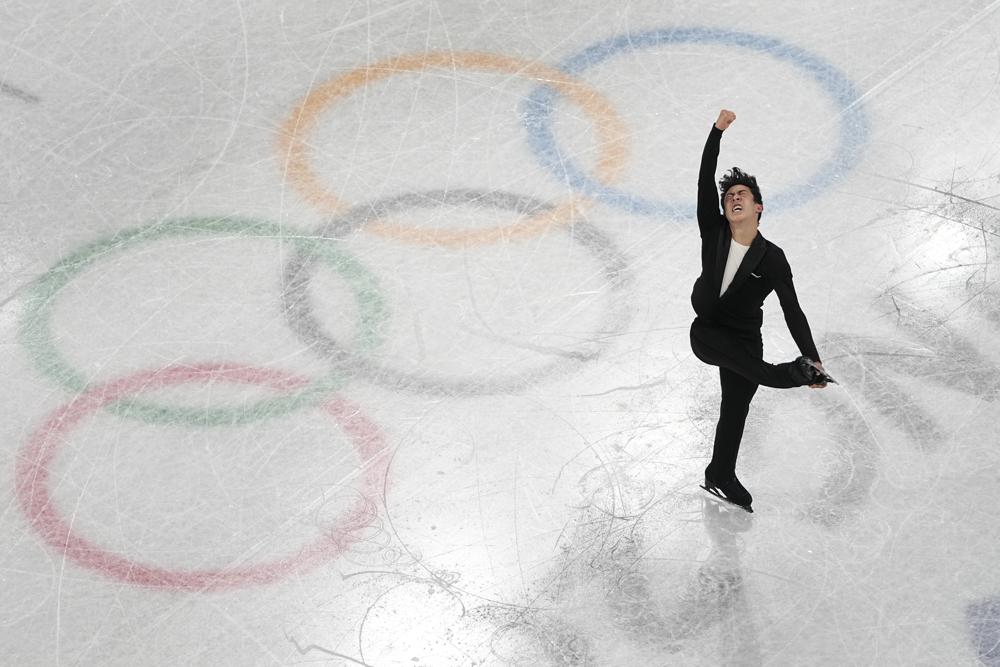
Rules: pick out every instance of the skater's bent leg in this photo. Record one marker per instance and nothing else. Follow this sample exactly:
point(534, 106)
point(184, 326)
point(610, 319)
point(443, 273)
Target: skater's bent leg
point(719, 347)
point(737, 392)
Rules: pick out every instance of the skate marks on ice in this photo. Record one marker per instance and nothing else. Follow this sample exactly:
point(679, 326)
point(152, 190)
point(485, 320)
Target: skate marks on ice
point(611, 596)
point(984, 620)
point(613, 585)
point(455, 625)
point(632, 573)
point(710, 597)
point(385, 574)
point(522, 636)
point(377, 567)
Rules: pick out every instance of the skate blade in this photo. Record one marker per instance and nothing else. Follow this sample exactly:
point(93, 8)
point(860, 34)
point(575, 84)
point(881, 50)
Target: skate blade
point(721, 497)
point(826, 377)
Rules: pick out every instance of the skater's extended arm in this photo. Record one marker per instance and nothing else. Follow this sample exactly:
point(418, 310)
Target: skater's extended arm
point(796, 320)
point(708, 198)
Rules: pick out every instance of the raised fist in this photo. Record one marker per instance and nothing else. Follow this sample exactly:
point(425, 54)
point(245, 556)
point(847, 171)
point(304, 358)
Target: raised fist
point(726, 118)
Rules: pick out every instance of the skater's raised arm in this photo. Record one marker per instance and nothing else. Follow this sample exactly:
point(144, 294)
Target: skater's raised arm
point(708, 197)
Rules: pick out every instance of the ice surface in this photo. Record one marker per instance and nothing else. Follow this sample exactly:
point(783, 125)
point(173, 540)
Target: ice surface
point(357, 334)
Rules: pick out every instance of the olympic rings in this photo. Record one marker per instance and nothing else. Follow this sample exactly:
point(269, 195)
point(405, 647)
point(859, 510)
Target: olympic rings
point(303, 321)
point(293, 145)
point(853, 122)
point(36, 334)
point(41, 449)
point(35, 329)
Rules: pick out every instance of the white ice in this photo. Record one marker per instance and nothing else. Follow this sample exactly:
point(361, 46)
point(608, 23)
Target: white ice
point(276, 391)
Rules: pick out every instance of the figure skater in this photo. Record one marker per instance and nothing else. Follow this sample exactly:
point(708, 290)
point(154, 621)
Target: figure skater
point(739, 268)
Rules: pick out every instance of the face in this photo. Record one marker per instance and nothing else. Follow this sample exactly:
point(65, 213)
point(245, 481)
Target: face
point(739, 205)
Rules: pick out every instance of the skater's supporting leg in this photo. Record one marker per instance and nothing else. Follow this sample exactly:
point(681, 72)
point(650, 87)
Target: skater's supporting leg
point(716, 346)
point(737, 392)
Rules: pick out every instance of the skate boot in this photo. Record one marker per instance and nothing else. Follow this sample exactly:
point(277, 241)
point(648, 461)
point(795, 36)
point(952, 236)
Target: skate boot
point(810, 373)
point(729, 490)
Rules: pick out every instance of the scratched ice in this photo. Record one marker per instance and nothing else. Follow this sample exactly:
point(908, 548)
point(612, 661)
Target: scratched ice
point(357, 334)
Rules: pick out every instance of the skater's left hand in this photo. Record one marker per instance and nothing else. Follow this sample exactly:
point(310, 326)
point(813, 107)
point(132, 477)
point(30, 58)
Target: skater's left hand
point(819, 386)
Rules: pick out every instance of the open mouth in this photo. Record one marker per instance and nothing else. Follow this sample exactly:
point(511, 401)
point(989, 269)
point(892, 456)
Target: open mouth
point(737, 209)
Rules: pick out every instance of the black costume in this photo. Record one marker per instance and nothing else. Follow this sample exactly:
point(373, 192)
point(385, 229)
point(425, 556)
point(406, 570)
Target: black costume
point(726, 332)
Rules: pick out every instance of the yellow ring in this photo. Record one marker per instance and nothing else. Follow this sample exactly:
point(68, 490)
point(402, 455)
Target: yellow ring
point(611, 133)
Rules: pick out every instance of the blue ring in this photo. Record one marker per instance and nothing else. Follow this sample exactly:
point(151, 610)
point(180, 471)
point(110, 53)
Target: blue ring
point(537, 116)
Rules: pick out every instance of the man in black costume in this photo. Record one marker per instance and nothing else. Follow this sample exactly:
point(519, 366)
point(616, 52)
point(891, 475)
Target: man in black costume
point(739, 268)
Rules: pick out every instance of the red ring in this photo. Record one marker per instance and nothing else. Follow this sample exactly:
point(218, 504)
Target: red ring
point(37, 454)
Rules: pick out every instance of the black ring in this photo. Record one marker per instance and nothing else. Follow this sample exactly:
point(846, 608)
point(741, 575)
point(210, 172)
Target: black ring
point(302, 320)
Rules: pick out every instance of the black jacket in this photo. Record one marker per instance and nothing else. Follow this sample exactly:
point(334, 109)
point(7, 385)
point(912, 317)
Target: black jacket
point(764, 268)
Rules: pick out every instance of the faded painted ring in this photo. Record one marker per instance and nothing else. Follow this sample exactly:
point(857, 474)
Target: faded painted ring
point(41, 509)
point(853, 120)
point(302, 319)
point(36, 334)
point(293, 138)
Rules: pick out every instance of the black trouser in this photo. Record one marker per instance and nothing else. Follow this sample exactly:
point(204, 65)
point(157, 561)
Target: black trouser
point(740, 358)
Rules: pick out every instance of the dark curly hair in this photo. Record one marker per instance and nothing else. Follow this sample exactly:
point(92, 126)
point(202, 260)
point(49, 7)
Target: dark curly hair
point(737, 176)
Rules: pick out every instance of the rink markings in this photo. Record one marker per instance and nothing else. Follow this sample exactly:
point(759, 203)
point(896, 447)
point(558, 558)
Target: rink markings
point(23, 95)
point(293, 143)
point(36, 333)
point(301, 317)
point(853, 120)
point(296, 392)
point(36, 457)
point(984, 620)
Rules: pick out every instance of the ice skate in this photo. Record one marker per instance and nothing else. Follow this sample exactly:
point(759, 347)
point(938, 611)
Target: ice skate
point(730, 491)
point(813, 373)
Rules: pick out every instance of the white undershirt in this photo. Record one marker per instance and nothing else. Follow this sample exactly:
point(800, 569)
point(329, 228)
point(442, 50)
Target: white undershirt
point(736, 254)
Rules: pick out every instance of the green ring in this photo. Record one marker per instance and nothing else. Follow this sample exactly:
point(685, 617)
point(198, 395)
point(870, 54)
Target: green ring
point(35, 330)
